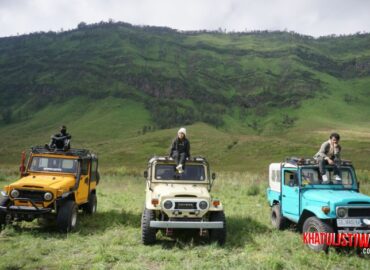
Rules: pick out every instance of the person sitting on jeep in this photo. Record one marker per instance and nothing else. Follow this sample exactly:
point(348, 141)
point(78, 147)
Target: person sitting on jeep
point(60, 141)
point(329, 153)
point(180, 149)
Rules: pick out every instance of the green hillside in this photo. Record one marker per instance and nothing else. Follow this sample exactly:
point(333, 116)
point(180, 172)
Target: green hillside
point(246, 98)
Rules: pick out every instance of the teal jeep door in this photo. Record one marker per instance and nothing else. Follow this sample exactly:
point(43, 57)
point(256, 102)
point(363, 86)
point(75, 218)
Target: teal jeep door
point(290, 194)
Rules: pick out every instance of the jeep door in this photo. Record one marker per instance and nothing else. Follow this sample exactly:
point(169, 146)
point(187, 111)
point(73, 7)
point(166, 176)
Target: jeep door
point(290, 193)
point(94, 174)
point(83, 188)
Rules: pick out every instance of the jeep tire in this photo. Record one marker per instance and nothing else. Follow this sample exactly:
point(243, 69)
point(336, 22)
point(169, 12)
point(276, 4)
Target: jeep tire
point(91, 206)
point(148, 235)
point(277, 220)
point(218, 235)
point(3, 219)
point(313, 224)
point(67, 216)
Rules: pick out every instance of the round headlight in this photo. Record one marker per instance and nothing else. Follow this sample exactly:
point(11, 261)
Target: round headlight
point(342, 212)
point(203, 205)
point(168, 204)
point(15, 193)
point(48, 196)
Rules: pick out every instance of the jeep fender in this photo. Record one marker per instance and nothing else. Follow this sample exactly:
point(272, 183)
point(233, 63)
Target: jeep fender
point(312, 211)
point(66, 196)
point(150, 206)
point(273, 197)
point(317, 211)
point(215, 209)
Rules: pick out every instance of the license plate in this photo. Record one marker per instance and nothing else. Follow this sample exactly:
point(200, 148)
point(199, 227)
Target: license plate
point(349, 222)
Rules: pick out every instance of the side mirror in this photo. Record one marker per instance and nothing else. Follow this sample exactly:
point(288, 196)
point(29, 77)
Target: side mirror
point(145, 174)
point(213, 176)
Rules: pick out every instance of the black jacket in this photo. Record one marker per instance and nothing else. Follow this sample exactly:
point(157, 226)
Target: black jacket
point(60, 135)
point(180, 146)
point(59, 140)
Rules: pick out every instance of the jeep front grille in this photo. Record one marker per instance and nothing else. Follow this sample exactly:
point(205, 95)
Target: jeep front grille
point(359, 212)
point(186, 205)
point(358, 202)
point(34, 195)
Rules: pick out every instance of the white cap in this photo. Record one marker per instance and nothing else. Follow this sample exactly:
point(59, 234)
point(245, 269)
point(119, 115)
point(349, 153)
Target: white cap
point(182, 130)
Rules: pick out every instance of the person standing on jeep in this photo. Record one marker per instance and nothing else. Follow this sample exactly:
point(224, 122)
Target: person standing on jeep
point(329, 153)
point(60, 141)
point(180, 149)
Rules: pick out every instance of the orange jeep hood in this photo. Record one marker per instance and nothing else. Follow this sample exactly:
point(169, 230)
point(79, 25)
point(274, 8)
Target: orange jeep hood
point(45, 181)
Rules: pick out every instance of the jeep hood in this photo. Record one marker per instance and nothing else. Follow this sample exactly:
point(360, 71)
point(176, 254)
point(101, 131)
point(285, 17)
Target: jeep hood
point(178, 190)
point(45, 182)
point(335, 196)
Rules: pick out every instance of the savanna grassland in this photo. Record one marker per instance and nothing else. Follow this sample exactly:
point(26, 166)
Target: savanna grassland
point(111, 239)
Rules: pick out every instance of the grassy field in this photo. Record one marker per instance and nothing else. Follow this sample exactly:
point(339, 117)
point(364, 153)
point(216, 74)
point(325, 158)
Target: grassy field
point(113, 128)
point(112, 238)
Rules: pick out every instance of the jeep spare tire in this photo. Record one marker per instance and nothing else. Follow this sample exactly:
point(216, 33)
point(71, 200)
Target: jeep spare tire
point(67, 216)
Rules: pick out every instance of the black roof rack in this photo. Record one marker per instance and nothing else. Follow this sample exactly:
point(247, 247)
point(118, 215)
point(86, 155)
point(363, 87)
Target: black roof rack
point(82, 153)
point(167, 158)
point(310, 161)
point(300, 161)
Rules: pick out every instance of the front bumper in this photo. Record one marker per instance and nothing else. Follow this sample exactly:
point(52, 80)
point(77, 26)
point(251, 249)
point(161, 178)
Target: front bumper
point(186, 224)
point(24, 210)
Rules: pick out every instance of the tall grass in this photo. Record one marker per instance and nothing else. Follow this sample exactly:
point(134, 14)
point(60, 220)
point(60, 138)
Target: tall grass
point(112, 238)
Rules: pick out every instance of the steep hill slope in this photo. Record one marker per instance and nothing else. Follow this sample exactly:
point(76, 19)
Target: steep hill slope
point(262, 95)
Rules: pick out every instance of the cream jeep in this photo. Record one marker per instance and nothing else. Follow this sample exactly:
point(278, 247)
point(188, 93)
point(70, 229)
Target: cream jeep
point(181, 201)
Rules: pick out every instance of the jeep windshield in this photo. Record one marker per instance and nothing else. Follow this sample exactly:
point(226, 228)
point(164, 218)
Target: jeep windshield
point(311, 176)
point(168, 172)
point(51, 164)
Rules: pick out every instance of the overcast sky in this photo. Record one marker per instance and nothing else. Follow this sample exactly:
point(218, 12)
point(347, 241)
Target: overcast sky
point(311, 17)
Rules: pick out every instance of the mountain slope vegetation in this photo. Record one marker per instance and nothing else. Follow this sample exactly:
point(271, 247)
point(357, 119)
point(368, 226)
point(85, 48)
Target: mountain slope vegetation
point(124, 89)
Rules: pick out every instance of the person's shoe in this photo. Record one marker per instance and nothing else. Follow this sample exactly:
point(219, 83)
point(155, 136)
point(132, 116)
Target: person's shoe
point(47, 147)
point(180, 169)
point(337, 178)
point(325, 179)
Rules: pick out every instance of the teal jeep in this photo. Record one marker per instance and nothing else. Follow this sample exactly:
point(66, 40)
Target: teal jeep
point(296, 194)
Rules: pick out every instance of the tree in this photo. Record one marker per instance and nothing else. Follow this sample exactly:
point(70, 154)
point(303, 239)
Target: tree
point(81, 25)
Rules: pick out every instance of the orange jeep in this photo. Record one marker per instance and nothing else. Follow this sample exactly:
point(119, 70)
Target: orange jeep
point(54, 185)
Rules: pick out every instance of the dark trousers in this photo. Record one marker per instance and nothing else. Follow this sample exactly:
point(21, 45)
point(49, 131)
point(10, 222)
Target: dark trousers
point(323, 163)
point(179, 158)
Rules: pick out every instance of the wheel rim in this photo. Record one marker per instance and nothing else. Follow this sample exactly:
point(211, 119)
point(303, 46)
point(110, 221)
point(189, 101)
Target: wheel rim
point(74, 219)
point(273, 218)
point(313, 229)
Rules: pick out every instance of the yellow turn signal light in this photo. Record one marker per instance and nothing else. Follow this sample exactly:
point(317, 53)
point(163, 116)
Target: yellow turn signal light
point(216, 203)
point(325, 209)
point(155, 202)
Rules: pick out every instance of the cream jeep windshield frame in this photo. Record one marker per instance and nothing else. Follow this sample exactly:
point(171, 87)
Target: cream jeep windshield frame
point(192, 173)
point(52, 164)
